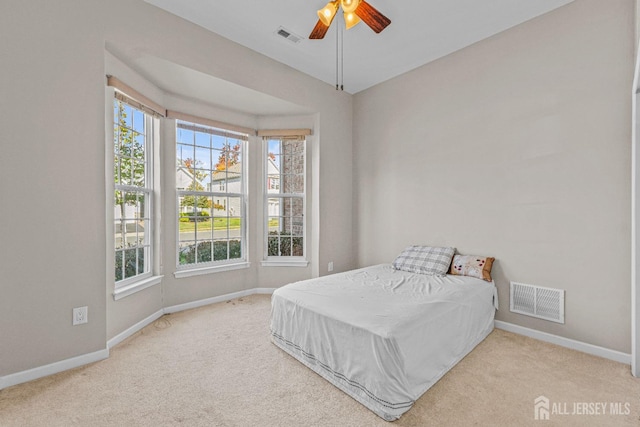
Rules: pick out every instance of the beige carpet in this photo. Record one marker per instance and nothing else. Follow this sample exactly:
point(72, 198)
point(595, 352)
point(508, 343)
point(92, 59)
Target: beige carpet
point(215, 366)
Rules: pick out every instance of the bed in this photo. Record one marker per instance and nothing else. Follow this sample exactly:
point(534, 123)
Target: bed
point(381, 335)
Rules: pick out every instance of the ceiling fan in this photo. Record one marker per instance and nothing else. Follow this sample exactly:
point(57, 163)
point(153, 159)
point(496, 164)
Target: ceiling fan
point(354, 11)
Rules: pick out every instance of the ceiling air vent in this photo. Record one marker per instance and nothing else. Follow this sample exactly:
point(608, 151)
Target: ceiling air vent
point(293, 38)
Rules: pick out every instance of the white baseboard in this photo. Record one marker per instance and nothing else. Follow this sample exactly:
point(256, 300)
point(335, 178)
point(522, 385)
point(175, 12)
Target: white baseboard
point(595, 350)
point(133, 329)
point(214, 300)
point(52, 368)
point(75, 362)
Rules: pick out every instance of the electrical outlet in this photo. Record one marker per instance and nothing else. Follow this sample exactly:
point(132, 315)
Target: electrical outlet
point(330, 267)
point(80, 315)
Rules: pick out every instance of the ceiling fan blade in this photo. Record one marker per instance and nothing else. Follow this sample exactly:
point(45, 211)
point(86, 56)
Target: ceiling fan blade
point(318, 31)
point(370, 15)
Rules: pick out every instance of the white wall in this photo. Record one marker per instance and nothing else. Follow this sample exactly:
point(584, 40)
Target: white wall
point(52, 144)
point(52, 135)
point(517, 147)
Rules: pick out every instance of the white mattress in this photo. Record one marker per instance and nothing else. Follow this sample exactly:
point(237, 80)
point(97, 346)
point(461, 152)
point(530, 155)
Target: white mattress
point(381, 335)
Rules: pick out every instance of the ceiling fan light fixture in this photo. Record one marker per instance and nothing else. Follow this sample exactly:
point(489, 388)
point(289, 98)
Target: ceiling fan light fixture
point(349, 6)
point(327, 13)
point(350, 20)
point(354, 12)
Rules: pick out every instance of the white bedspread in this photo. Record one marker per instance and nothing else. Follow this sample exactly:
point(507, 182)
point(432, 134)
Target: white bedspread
point(382, 336)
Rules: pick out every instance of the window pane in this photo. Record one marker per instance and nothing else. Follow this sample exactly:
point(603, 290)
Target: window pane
point(285, 226)
point(297, 246)
point(203, 158)
point(130, 263)
point(137, 173)
point(138, 146)
point(194, 218)
point(204, 226)
point(138, 121)
point(220, 250)
point(126, 116)
point(273, 183)
point(235, 227)
point(219, 206)
point(293, 206)
point(130, 237)
point(187, 253)
point(185, 154)
point(200, 180)
point(274, 207)
point(204, 251)
point(141, 257)
point(297, 226)
point(274, 147)
point(285, 246)
point(126, 167)
point(144, 228)
point(273, 248)
point(297, 206)
point(203, 139)
point(274, 163)
point(119, 269)
point(185, 136)
point(234, 207)
point(233, 183)
point(293, 183)
point(218, 142)
point(192, 206)
point(235, 249)
point(118, 208)
point(287, 147)
point(274, 223)
point(118, 235)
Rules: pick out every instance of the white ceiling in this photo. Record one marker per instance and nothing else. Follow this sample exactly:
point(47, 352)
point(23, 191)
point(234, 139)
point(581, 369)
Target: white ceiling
point(420, 31)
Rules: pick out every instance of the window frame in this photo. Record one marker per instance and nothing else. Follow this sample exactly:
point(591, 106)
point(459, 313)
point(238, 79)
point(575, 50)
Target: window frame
point(128, 285)
point(283, 260)
point(198, 268)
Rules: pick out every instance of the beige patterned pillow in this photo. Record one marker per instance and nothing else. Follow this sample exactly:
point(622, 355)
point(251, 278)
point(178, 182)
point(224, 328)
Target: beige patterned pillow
point(474, 266)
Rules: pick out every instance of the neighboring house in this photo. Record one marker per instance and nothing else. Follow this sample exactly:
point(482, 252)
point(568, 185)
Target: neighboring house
point(184, 178)
point(227, 181)
point(273, 187)
point(184, 181)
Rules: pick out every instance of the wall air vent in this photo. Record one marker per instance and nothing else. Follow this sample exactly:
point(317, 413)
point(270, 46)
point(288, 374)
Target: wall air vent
point(536, 301)
point(284, 33)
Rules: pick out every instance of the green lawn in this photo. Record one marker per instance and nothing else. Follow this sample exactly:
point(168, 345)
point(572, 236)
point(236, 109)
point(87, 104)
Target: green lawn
point(218, 224)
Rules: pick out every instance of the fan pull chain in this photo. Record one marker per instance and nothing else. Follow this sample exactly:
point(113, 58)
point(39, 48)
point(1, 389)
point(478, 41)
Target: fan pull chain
point(339, 58)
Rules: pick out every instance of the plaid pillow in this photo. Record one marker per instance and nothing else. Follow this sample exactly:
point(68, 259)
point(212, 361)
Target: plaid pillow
point(425, 260)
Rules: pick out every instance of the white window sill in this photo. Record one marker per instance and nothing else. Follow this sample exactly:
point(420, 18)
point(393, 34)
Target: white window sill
point(131, 289)
point(211, 269)
point(285, 263)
